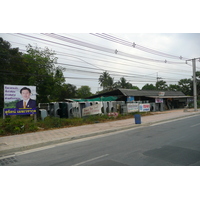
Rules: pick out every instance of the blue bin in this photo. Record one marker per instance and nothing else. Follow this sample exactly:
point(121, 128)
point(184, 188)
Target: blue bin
point(137, 118)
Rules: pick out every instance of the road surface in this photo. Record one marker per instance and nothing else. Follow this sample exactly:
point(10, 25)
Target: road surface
point(175, 143)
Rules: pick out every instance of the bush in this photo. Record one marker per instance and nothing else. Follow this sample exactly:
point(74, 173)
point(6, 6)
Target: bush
point(17, 125)
point(24, 124)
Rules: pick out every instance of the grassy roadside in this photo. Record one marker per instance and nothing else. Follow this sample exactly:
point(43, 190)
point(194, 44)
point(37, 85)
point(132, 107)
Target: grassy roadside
point(24, 124)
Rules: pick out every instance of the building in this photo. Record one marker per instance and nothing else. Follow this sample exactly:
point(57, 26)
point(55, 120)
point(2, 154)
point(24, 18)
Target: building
point(159, 100)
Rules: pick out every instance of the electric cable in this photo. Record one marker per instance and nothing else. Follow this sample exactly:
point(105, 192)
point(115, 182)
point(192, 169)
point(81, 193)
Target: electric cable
point(134, 45)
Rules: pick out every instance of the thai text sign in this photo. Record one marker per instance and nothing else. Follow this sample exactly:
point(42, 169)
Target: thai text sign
point(132, 107)
point(144, 107)
point(158, 100)
point(161, 94)
point(19, 100)
point(92, 110)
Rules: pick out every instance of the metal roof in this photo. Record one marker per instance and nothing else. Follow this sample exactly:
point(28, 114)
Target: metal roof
point(129, 92)
point(168, 97)
point(144, 93)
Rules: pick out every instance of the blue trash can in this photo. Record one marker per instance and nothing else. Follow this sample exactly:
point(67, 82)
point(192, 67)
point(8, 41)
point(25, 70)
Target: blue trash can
point(137, 118)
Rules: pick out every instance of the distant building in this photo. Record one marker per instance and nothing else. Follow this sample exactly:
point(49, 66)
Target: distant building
point(159, 100)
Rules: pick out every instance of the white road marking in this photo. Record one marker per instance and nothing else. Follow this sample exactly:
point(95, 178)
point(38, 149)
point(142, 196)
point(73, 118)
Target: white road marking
point(195, 125)
point(9, 156)
point(173, 120)
point(90, 160)
point(34, 150)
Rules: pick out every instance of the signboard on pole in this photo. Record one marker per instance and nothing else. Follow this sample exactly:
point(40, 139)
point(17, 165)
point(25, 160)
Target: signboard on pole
point(19, 100)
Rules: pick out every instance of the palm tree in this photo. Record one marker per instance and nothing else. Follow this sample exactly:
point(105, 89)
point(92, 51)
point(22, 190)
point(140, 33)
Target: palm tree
point(106, 81)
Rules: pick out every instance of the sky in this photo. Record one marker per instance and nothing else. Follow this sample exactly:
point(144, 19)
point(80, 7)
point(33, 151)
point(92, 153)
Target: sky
point(165, 28)
point(85, 56)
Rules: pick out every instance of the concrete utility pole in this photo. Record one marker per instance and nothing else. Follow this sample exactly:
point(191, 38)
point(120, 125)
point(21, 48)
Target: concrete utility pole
point(194, 82)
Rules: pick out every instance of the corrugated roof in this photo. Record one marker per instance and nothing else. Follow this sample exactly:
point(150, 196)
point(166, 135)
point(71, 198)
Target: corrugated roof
point(167, 97)
point(145, 93)
point(129, 92)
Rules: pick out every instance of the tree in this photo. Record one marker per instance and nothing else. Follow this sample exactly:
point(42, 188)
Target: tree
point(106, 81)
point(84, 92)
point(198, 82)
point(68, 91)
point(161, 85)
point(134, 87)
point(186, 86)
point(174, 87)
point(43, 73)
point(123, 83)
point(12, 68)
point(149, 87)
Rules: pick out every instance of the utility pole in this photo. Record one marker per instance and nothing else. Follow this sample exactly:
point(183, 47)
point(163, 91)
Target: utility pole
point(158, 77)
point(194, 82)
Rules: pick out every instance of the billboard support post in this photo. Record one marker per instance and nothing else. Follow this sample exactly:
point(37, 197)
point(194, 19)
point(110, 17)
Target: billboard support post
point(35, 118)
point(4, 114)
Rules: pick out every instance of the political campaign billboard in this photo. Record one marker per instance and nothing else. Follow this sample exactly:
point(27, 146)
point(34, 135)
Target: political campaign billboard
point(19, 100)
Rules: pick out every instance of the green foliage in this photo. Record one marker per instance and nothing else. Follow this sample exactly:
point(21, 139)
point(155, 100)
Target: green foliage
point(149, 87)
point(161, 85)
point(186, 86)
point(25, 124)
point(68, 91)
point(17, 125)
point(44, 74)
point(84, 92)
point(123, 83)
point(12, 67)
point(106, 81)
point(174, 87)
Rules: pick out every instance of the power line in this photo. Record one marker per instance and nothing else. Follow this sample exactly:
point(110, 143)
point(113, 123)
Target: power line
point(134, 45)
point(96, 52)
point(96, 47)
point(101, 54)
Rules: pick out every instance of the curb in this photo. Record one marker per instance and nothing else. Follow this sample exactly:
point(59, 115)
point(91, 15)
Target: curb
point(42, 144)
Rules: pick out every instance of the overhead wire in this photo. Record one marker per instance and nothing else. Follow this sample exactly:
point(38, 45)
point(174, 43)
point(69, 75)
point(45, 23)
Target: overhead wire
point(100, 48)
point(81, 49)
point(87, 50)
point(134, 45)
point(115, 74)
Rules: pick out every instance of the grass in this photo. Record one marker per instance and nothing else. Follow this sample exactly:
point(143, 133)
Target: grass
point(13, 125)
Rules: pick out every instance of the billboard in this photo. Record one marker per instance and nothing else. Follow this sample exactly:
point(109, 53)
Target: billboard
point(19, 100)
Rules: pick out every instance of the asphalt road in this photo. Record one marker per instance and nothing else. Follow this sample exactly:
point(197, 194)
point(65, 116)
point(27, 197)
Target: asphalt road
point(175, 143)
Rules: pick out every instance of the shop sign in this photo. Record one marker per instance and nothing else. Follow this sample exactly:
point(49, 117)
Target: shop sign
point(92, 110)
point(144, 107)
point(132, 107)
point(158, 100)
